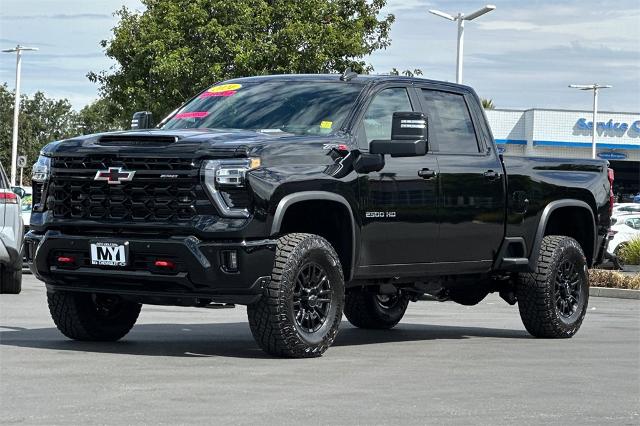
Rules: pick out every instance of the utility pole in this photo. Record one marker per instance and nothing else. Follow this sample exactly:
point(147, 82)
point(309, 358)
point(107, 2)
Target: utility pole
point(595, 87)
point(460, 18)
point(16, 108)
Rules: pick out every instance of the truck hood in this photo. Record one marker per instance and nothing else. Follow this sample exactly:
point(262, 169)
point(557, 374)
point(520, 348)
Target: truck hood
point(194, 142)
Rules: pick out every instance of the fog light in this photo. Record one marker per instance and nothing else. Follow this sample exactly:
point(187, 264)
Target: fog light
point(66, 260)
point(230, 260)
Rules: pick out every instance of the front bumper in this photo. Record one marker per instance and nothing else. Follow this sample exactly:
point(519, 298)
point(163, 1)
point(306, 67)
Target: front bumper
point(199, 275)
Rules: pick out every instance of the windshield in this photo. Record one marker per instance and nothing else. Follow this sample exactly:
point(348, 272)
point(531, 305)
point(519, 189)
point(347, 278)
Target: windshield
point(301, 108)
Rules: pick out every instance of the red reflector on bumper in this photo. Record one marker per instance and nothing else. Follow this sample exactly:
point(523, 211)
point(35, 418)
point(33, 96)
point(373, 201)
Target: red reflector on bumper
point(164, 264)
point(66, 259)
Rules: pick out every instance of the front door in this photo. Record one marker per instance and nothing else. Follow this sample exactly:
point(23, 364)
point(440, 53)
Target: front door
point(400, 217)
point(472, 194)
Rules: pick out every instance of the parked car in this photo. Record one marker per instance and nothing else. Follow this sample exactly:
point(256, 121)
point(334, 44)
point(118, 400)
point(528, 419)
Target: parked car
point(11, 238)
point(625, 228)
point(25, 206)
point(623, 208)
point(303, 196)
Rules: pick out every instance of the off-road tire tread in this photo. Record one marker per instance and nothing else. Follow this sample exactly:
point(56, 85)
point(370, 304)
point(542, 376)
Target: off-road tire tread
point(535, 292)
point(69, 318)
point(360, 310)
point(268, 321)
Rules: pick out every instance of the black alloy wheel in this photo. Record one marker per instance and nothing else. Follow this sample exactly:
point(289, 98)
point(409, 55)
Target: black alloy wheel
point(568, 289)
point(311, 297)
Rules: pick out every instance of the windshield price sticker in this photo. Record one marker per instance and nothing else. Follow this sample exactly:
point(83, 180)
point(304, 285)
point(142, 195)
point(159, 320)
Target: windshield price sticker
point(222, 90)
point(194, 114)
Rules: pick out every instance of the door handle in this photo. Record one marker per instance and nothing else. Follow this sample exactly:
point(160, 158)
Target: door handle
point(491, 175)
point(427, 174)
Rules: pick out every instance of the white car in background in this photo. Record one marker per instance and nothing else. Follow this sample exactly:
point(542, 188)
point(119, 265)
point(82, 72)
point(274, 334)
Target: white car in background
point(25, 207)
point(625, 208)
point(624, 228)
point(11, 236)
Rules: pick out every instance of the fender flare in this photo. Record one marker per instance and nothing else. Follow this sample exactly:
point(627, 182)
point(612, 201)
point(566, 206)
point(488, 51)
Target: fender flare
point(542, 225)
point(291, 199)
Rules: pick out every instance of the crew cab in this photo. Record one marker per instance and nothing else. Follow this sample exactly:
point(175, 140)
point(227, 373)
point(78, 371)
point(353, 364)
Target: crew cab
point(306, 196)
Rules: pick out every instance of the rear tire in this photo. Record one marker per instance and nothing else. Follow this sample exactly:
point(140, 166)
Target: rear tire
point(92, 317)
point(11, 280)
point(553, 300)
point(300, 310)
point(366, 309)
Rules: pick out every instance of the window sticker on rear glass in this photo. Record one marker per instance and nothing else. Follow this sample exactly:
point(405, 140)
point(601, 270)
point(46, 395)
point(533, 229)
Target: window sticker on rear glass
point(194, 114)
point(222, 90)
point(326, 124)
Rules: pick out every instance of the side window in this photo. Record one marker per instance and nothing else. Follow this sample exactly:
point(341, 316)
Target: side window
point(450, 123)
point(377, 119)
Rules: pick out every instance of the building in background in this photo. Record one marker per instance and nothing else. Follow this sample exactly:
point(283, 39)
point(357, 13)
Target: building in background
point(567, 133)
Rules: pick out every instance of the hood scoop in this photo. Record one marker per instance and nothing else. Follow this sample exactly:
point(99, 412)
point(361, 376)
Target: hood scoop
point(137, 140)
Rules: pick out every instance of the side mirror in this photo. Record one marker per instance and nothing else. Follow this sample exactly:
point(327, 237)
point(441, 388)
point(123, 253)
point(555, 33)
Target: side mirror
point(19, 191)
point(408, 136)
point(142, 120)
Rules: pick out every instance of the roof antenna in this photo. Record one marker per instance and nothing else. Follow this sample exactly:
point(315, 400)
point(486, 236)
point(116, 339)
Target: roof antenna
point(348, 75)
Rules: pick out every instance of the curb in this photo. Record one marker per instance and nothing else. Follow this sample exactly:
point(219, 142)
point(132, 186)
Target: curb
point(618, 293)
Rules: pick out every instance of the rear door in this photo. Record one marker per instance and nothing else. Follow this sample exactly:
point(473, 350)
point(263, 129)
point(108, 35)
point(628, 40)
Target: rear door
point(471, 180)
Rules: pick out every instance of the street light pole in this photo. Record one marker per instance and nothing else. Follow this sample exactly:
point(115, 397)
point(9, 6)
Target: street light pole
point(594, 128)
point(460, 48)
point(460, 18)
point(16, 109)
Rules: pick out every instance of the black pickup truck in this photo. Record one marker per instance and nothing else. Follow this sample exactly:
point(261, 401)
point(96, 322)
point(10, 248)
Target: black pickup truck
point(306, 196)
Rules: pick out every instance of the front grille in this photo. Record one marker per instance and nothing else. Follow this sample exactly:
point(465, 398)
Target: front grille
point(162, 189)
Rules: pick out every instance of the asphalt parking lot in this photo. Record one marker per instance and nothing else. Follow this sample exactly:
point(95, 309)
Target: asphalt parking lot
point(443, 363)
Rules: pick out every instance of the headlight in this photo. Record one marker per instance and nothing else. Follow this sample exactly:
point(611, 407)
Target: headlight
point(227, 174)
point(41, 169)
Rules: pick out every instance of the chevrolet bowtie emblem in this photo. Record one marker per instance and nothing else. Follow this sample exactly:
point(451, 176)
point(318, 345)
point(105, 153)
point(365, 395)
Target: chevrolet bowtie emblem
point(114, 175)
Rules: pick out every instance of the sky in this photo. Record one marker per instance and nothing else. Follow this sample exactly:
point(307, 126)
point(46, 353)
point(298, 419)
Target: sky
point(522, 55)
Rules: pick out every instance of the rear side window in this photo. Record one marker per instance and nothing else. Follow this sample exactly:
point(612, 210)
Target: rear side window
point(379, 116)
point(450, 122)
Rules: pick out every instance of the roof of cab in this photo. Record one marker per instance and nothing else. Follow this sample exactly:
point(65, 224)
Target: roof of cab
point(359, 79)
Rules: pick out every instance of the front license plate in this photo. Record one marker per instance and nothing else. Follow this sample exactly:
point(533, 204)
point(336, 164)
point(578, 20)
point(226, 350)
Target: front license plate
point(107, 253)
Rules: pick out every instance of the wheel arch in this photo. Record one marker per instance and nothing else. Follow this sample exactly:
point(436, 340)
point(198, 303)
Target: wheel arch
point(332, 203)
point(553, 222)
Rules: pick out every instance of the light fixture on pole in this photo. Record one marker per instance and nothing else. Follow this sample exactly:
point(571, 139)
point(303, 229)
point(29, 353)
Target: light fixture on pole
point(16, 108)
point(461, 17)
point(594, 128)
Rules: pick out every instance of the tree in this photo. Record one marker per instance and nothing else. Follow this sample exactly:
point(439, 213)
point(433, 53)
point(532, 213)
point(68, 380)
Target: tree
point(99, 116)
point(176, 48)
point(42, 120)
point(487, 104)
point(416, 72)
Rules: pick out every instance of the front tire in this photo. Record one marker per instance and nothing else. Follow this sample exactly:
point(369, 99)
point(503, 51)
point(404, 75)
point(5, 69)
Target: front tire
point(367, 309)
point(553, 300)
point(300, 310)
point(92, 317)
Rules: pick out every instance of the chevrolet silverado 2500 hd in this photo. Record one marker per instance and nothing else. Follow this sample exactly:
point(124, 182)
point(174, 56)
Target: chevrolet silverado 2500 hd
point(306, 196)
